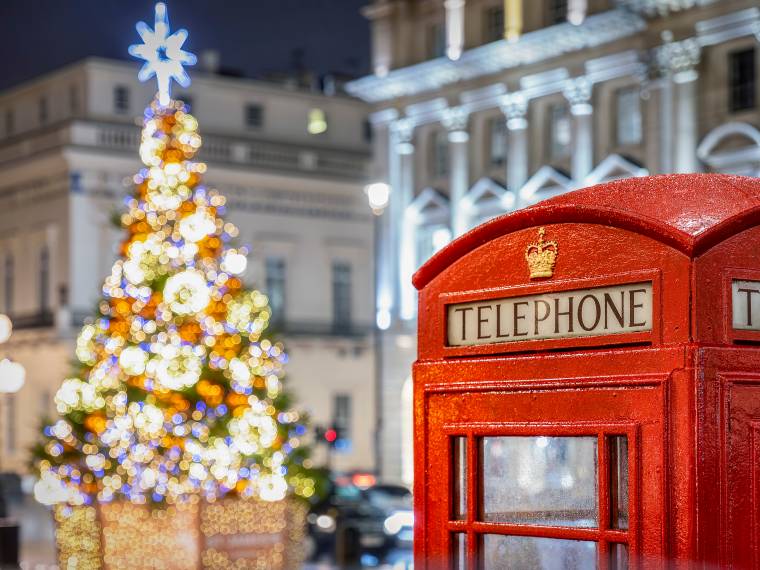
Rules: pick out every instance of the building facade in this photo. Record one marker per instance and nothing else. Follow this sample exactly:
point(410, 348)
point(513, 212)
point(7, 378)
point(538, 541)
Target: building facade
point(484, 106)
point(292, 164)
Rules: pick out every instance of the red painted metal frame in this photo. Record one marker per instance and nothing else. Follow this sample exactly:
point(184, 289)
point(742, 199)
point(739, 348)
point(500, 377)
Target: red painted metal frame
point(689, 391)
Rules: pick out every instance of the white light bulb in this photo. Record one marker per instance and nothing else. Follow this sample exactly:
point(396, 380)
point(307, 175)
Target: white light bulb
point(6, 328)
point(234, 262)
point(197, 226)
point(133, 360)
point(187, 292)
point(12, 376)
point(378, 195)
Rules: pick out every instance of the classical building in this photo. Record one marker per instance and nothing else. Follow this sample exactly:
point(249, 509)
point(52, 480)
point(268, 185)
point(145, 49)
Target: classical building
point(292, 164)
point(486, 106)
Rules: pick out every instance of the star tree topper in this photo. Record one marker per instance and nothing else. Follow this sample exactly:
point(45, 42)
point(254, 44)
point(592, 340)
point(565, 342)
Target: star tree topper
point(163, 54)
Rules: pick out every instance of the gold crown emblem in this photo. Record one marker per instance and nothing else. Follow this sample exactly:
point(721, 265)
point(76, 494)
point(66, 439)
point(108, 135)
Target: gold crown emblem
point(541, 256)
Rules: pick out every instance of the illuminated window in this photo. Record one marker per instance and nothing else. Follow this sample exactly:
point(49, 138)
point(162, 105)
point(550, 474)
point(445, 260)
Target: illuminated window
point(741, 78)
point(317, 122)
point(560, 131)
point(341, 292)
point(440, 154)
point(275, 287)
point(436, 40)
point(497, 138)
point(42, 110)
point(494, 24)
point(254, 116)
point(557, 11)
point(121, 99)
point(628, 122)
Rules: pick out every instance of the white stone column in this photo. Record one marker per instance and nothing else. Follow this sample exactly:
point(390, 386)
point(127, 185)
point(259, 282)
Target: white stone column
point(677, 62)
point(455, 121)
point(454, 28)
point(402, 228)
point(515, 109)
point(578, 94)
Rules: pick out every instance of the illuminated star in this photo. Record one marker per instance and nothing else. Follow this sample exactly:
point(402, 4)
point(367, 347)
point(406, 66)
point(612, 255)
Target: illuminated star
point(163, 54)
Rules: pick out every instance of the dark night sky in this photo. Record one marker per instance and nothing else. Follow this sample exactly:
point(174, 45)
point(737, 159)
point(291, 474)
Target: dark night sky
point(253, 36)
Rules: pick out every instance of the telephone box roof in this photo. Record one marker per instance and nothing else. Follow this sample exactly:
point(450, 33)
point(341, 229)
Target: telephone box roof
point(689, 212)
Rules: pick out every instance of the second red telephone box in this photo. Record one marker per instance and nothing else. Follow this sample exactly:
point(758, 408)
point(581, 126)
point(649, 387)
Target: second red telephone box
point(587, 393)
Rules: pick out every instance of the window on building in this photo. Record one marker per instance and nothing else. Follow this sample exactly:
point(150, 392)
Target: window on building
point(557, 11)
point(560, 131)
point(10, 433)
point(317, 122)
point(44, 284)
point(440, 154)
point(121, 99)
point(341, 293)
point(497, 141)
point(431, 238)
point(436, 40)
point(42, 110)
point(275, 285)
point(494, 24)
point(10, 122)
point(367, 130)
point(628, 108)
point(9, 284)
point(342, 417)
point(742, 80)
point(254, 116)
point(74, 100)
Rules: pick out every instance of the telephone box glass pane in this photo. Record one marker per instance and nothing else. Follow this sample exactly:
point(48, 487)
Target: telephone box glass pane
point(618, 557)
point(540, 480)
point(459, 483)
point(618, 446)
point(459, 551)
point(520, 552)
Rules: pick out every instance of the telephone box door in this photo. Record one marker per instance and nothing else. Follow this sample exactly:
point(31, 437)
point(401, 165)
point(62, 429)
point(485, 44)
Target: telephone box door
point(556, 475)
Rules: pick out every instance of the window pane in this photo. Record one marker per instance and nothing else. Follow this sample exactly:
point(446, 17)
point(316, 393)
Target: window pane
point(628, 116)
point(459, 551)
point(521, 552)
point(341, 284)
point(540, 480)
point(619, 482)
point(275, 288)
point(498, 138)
point(742, 80)
point(459, 483)
point(618, 557)
point(560, 131)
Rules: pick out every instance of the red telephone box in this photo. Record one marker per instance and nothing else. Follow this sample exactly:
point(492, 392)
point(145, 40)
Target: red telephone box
point(587, 392)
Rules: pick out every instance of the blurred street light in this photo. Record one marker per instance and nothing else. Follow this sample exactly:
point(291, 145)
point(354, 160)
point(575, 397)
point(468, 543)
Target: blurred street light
point(378, 195)
point(6, 327)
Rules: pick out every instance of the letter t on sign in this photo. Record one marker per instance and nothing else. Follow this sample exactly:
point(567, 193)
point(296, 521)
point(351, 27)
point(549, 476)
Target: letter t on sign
point(745, 304)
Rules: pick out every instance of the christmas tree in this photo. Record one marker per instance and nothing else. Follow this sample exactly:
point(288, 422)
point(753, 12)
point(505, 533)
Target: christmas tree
point(178, 393)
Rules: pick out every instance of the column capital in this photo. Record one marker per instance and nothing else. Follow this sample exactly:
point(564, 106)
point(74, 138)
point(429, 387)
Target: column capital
point(515, 108)
point(577, 91)
point(455, 121)
point(402, 132)
point(678, 59)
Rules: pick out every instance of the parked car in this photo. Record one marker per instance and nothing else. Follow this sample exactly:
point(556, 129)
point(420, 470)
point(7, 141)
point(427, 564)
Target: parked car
point(396, 502)
point(345, 525)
